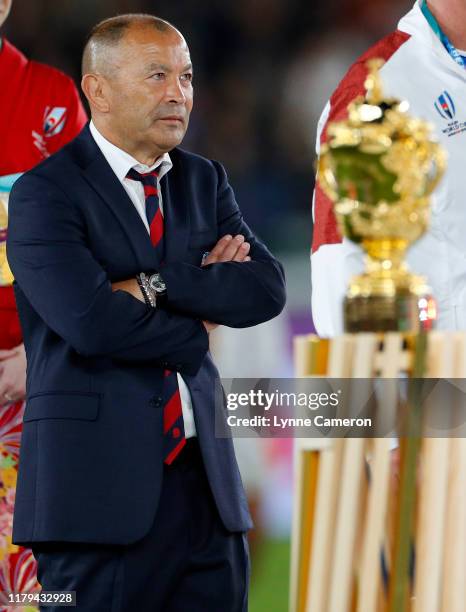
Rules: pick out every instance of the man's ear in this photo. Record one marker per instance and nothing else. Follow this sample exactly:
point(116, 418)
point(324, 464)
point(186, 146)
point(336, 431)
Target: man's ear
point(95, 89)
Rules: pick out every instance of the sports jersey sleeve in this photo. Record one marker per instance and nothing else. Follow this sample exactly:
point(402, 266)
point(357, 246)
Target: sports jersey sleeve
point(42, 113)
point(334, 259)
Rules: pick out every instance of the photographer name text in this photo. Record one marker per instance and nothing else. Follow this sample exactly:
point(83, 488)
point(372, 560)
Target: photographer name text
point(290, 422)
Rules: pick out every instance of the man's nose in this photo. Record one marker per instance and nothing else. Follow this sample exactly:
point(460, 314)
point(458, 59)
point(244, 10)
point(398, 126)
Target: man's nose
point(174, 91)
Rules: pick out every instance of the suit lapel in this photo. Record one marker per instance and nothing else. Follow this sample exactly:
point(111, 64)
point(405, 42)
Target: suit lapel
point(176, 211)
point(101, 177)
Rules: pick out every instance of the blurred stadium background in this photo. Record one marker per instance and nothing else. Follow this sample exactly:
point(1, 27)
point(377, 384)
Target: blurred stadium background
point(263, 72)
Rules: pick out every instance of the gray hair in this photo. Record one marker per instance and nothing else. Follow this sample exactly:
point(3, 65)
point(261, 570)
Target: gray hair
point(109, 33)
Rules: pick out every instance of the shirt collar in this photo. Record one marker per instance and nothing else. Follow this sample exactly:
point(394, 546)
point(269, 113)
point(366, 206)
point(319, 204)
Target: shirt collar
point(121, 162)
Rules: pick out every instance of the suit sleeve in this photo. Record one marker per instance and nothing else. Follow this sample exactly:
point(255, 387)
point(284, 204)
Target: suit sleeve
point(236, 294)
point(70, 291)
point(334, 259)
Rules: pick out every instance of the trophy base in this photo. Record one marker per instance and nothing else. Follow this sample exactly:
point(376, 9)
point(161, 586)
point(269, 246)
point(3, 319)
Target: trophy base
point(403, 312)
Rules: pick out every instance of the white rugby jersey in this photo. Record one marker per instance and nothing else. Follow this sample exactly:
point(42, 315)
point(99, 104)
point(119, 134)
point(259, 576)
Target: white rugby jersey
point(419, 69)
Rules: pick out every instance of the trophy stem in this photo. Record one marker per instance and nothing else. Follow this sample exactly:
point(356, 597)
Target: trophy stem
point(385, 253)
point(388, 297)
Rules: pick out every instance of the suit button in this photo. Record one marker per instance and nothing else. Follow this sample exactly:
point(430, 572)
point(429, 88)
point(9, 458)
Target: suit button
point(156, 402)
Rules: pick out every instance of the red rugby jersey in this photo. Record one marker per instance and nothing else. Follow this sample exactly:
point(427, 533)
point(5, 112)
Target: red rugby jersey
point(40, 111)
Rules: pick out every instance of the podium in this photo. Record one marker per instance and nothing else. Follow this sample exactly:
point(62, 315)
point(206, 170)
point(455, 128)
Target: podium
point(367, 536)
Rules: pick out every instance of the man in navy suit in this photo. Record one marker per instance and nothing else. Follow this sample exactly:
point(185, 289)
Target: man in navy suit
point(127, 251)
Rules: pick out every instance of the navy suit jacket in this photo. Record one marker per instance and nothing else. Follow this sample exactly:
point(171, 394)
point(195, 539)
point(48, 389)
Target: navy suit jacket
point(91, 452)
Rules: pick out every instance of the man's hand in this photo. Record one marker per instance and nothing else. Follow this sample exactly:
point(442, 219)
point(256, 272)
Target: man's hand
point(209, 326)
point(229, 248)
point(130, 286)
point(12, 374)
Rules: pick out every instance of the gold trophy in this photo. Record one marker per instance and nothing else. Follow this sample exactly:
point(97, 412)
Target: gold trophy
point(6, 277)
point(379, 168)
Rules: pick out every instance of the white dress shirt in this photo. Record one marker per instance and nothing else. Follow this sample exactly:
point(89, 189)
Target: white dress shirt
point(121, 162)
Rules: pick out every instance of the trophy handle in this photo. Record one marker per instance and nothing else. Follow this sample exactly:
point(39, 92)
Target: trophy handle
point(439, 162)
point(6, 277)
point(325, 175)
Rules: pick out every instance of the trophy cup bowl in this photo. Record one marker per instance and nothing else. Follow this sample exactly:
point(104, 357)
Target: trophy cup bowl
point(6, 277)
point(379, 168)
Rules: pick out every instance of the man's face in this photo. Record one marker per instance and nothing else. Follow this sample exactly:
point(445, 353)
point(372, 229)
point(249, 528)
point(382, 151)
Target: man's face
point(5, 6)
point(150, 89)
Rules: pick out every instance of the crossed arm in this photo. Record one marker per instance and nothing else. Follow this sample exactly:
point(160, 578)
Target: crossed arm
point(69, 290)
point(13, 361)
point(228, 248)
point(227, 289)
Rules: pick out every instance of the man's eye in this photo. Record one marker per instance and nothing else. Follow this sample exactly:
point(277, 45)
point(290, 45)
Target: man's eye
point(187, 76)
point(158, 75)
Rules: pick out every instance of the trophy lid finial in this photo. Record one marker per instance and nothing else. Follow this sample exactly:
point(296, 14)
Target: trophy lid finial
point(373, 82)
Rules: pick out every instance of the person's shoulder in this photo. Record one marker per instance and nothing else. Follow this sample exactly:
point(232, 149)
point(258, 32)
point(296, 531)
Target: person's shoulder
point(193, 161)
point(352, 84)
point(46, 74)
point(58, 168)
point(46, 170)
point(188, 157)
point(386, 47)
point(51, 76)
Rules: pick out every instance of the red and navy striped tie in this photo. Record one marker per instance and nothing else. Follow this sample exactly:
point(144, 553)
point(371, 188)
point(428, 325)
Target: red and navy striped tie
point(173, 425)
